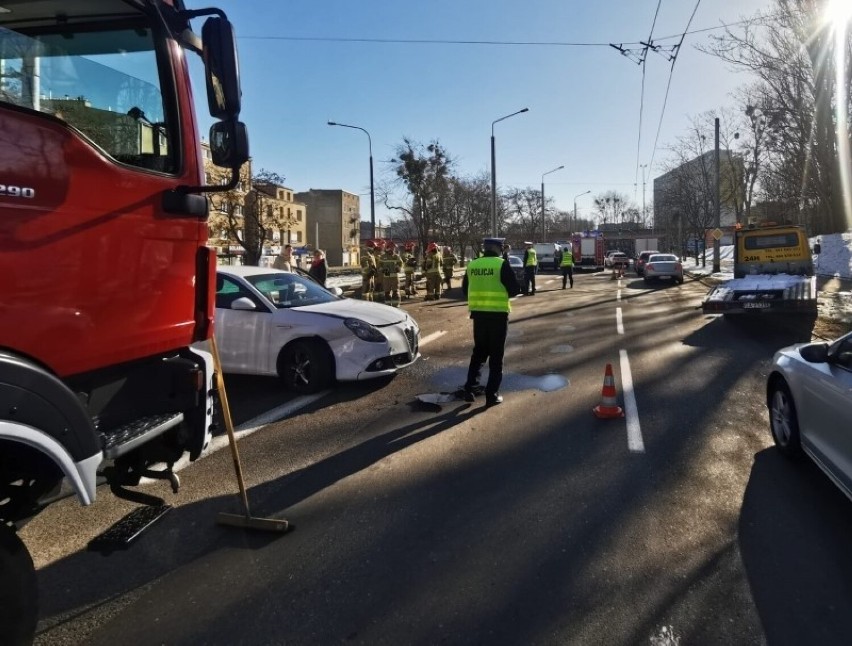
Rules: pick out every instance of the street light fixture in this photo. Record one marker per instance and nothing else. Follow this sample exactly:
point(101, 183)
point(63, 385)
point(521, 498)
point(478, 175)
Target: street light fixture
point(494, 173)
point(543, 219)
point(575, 205)
point(372, 190)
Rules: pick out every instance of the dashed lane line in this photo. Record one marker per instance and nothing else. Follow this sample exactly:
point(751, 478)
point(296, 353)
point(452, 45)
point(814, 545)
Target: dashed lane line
point(619, 322)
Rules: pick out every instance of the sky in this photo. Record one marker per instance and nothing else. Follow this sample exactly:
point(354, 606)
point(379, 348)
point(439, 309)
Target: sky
point(305, 62)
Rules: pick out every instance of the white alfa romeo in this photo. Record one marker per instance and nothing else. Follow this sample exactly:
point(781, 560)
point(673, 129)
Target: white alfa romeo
point(271, 322)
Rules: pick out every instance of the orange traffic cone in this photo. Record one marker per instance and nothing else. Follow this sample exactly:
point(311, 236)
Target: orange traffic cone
point(608, 408)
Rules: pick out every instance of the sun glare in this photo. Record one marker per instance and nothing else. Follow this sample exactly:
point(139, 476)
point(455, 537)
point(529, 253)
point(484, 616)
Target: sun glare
point(839, 11)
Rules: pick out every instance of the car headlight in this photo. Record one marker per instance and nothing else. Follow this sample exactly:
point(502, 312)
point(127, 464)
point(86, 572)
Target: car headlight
point(364, 331)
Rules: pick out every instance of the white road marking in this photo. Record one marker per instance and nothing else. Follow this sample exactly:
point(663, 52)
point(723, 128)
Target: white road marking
point(619, 324)
point(634, 431)
point(431, 337)
point(618, 295)
point(244, 430)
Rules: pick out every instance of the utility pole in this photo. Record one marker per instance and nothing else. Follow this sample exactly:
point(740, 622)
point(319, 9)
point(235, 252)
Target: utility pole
point(717, 265)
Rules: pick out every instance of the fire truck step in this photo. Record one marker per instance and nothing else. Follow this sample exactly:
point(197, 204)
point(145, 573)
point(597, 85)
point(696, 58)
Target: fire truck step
point(121, 534)
point(124, 439)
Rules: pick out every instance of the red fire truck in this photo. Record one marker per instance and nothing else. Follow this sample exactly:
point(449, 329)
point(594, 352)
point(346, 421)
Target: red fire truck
point(588, 249)
point(107, 282)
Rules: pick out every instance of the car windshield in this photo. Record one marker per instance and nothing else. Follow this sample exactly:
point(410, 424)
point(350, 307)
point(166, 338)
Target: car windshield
point(289, 290)
point(514, 261)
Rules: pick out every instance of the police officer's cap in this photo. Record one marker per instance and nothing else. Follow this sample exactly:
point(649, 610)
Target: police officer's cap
point(497, 243)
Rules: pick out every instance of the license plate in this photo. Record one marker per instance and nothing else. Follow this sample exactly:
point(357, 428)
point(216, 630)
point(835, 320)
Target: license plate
point(756, 306)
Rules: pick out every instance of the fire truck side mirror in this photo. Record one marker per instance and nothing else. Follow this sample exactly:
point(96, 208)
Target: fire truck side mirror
point(221, 67)
point(229, 147)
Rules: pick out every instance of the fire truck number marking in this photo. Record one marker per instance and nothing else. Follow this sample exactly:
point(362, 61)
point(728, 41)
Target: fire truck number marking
point(17, 191)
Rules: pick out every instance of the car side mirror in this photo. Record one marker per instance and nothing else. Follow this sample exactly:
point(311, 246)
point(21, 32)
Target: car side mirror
point(335, 290)
point(814, 352)
point(221, 68)
point(243, 303)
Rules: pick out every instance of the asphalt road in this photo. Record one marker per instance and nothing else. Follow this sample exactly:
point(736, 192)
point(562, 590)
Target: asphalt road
point(532, 522)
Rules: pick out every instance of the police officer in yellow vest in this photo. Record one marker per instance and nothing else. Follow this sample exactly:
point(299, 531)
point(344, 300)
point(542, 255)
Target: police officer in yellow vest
point(567, 266)
point(488, 283)
point(530, 267)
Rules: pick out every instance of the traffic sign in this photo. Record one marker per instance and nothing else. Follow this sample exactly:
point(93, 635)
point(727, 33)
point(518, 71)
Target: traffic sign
point(717, 234)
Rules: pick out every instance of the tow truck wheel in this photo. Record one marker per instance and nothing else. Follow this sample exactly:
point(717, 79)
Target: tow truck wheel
point(783, 420)
point(18, 590)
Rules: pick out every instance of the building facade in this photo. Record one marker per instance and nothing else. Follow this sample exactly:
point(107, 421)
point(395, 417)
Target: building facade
point(685, 198)
point(289, 215)
point(333, 224)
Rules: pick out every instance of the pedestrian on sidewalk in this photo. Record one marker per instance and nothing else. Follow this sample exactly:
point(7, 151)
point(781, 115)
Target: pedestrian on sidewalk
point(318, 270)
point(488, 284)
point(284, 260)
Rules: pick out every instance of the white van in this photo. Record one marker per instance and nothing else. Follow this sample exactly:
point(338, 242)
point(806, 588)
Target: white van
point(546, 254)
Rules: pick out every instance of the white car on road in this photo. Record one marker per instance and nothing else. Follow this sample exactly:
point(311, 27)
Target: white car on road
point(271, 322)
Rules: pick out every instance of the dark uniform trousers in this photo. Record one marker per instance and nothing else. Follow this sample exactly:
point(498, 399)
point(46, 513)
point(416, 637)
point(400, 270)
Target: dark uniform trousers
point(489, 342)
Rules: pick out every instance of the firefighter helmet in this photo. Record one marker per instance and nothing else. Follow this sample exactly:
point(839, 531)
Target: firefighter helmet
point(432, 247)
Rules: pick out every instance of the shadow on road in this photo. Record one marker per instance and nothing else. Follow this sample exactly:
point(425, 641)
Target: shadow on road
point(794, 533)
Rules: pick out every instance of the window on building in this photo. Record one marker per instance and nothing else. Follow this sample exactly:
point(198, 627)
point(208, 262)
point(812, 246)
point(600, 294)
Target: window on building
point(298, 236)
point(238, 210)
point(298, 215)
point(223, 207)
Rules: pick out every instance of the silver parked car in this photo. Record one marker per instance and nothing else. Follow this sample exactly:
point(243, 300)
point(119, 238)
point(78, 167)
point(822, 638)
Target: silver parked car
point(663, 265)
point(809, 394)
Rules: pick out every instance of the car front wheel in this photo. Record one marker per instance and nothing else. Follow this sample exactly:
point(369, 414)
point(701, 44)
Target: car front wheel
point(306, 366)
point(783, 420)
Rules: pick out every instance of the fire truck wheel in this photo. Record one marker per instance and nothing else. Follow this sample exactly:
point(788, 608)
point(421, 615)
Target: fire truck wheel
point(306, 366)
point(18, 590)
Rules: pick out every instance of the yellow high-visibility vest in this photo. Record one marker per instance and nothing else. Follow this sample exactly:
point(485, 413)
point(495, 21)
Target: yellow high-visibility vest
point(485, 290)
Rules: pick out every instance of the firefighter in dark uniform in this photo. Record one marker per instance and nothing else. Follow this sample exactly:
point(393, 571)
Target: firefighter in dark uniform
point(488, 284)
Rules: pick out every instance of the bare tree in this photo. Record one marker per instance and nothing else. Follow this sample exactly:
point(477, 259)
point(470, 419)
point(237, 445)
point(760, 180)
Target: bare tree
point(794, 53)
point(425, 172)
point(523, 212)
point(611, 207)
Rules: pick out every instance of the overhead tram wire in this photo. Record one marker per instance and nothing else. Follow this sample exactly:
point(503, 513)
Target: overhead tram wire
point(669, 83)
point(513, 43)
point(647, 45)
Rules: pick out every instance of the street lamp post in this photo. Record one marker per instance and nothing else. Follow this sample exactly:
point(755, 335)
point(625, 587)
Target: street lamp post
point(575, 206)
point(372, 190)
point(543, 219)
point(494, 173)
